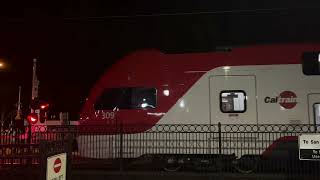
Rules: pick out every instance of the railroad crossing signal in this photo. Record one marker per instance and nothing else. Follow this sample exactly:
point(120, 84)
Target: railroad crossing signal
point(39, 109)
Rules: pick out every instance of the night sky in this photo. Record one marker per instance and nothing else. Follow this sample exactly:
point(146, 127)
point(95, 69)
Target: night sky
point(75, 42)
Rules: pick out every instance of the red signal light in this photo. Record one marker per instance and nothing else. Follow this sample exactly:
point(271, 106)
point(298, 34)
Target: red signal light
point(32, 118)
point(44, 106)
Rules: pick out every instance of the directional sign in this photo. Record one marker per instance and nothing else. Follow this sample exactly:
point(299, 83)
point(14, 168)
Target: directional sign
point(309, 147)
point(56, 167)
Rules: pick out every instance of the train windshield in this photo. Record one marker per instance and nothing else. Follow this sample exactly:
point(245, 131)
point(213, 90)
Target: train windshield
point(127, 98)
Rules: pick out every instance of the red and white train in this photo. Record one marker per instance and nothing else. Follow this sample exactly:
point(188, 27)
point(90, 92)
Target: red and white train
point(262, 84)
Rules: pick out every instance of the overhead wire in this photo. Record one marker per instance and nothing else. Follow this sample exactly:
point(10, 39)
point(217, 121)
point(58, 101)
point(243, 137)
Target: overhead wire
point(179, 14)
point(132, 16)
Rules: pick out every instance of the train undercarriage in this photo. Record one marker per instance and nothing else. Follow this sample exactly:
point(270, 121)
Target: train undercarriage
point(195, 162)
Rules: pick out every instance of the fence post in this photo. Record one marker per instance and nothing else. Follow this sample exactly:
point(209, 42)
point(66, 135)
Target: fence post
point(219, 130)
point(68, 148)
point(121, 146)
point(29, 139)
point(43, 145)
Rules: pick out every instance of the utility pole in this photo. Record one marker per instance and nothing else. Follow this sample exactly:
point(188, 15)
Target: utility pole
point(35, 82)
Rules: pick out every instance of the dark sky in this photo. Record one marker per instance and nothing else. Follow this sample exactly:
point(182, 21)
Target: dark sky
point(76, 41)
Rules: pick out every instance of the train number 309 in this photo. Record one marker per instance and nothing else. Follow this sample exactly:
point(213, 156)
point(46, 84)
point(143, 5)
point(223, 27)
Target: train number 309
point(108, 115)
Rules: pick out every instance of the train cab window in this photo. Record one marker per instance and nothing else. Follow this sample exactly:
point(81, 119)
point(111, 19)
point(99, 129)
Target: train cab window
point(233, 101)
point(311, 63)
point(111, 98)
point(127, 98)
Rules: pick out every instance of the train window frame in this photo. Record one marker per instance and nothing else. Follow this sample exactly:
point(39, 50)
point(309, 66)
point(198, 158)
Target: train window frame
point(128, 92)
point(315, 113)
point(311, 63)
point(233, 91)
point(147, 107)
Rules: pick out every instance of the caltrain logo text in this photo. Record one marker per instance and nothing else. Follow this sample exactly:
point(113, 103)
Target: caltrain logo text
point(286, 99)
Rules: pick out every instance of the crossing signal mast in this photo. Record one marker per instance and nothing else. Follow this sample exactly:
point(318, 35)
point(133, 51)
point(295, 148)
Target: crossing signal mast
point(35, 82)
point(38, 108)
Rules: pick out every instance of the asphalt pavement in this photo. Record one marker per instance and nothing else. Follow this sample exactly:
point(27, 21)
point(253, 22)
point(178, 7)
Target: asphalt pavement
point(82, 174)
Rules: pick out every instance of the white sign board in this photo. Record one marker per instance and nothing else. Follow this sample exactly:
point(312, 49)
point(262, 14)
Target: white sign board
point(57, 167)
point(309, 147)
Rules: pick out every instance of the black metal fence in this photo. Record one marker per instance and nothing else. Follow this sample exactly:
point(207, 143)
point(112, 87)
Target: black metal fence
point(256, 149)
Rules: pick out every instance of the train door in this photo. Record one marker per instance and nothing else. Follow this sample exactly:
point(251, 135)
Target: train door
point(233, 99)
point(314, 109)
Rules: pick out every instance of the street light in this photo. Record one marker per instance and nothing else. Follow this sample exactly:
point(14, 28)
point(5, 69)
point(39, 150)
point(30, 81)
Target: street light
point(3, 65)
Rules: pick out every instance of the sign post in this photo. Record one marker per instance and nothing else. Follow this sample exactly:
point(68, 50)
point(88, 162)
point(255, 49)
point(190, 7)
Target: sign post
point(56, 160)
point(309, 147)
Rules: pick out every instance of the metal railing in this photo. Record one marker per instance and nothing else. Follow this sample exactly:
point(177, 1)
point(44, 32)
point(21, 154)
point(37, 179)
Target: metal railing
point(211, 148)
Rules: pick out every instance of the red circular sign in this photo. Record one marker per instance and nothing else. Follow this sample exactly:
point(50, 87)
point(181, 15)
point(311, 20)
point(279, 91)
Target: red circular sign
point(288, 99)
point(57, 165)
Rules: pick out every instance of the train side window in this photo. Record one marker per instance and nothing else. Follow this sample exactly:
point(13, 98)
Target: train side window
point(311, 63)
point(113, 97)
point(233, 101)
point(127, 98)
point(144, 98)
